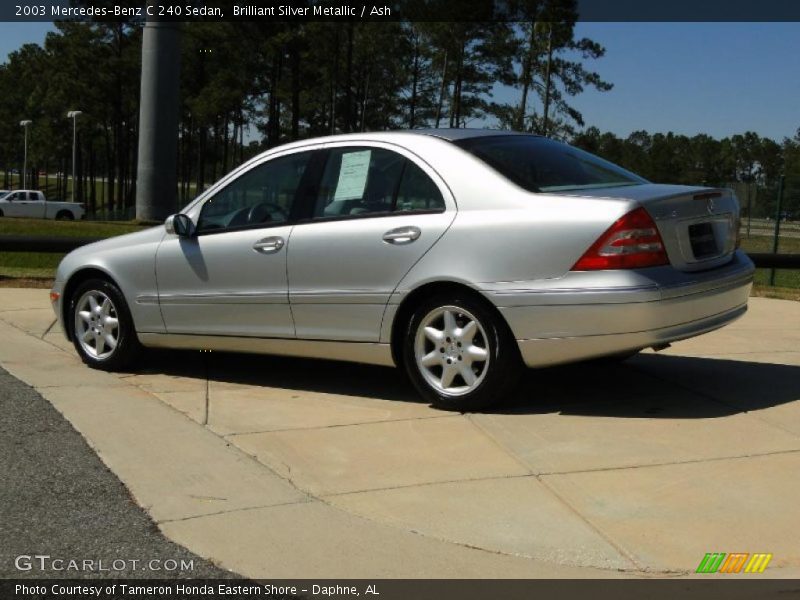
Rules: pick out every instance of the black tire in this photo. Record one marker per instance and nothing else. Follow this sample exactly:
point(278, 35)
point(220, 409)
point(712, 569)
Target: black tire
point(496, 377)
point(1, 214)
point(127, 347)
point(64, 215)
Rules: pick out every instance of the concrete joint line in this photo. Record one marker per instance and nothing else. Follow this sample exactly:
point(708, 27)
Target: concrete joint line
point(667, 464)
point(425, 484)
point(49, 327)
point(335, 425)
point(235, 510)
point(624, 552)
point(497, 444)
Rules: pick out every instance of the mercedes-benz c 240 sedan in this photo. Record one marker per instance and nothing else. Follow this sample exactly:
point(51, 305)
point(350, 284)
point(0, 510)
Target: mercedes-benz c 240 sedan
point(458, 255)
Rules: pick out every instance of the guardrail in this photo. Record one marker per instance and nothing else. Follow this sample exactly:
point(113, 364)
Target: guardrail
point(37, 243)
point(768, 260)
point(33, 243)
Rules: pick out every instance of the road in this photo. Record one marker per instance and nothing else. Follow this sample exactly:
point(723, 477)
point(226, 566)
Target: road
point(59, 499)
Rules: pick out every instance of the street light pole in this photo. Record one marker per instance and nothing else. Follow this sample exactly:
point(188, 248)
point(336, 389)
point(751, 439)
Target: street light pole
point(73, 114)
point(24, 124)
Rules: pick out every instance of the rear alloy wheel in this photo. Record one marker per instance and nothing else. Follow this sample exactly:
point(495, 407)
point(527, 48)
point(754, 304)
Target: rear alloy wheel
point(459, 355)
point(102, 328)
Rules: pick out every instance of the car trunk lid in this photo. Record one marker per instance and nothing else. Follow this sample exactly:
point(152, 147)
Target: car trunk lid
point(697, 224)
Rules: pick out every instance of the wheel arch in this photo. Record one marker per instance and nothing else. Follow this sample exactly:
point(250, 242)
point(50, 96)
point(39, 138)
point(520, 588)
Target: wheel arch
point(413, 299)
point(74, 281)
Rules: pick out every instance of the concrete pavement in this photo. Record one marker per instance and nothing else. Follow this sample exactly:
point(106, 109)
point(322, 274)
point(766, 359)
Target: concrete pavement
point(58, 500)
point(294, 468)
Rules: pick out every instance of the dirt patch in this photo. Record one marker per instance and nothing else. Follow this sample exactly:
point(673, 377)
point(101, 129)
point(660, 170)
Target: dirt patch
point(26, 282)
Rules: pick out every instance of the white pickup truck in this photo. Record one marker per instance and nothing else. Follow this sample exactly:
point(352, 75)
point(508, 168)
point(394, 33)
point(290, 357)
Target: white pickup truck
point(32, 204)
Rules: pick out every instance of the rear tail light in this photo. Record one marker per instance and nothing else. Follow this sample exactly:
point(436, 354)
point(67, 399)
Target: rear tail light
point(632, 242)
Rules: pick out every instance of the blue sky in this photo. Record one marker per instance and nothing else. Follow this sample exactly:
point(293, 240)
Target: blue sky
point(717, 78)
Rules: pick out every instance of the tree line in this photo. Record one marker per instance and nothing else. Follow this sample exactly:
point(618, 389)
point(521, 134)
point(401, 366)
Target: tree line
point(247, 86)
point(250, 86)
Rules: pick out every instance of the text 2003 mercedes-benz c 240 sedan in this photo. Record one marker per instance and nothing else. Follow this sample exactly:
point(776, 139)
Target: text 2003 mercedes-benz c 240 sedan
point(459, 255)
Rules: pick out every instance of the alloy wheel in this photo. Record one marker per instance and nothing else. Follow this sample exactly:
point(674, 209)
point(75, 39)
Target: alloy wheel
point(451, 350)
point(97, 324)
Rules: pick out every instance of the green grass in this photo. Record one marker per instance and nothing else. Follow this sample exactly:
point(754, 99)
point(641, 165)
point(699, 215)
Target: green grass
point(100, 229)
point(36, 265)
point(784, 278)
point(763, 243)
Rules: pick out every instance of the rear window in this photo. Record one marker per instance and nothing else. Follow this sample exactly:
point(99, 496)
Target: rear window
point(539, 164)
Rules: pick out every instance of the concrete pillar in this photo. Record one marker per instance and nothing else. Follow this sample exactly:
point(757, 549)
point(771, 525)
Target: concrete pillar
point(157, 174)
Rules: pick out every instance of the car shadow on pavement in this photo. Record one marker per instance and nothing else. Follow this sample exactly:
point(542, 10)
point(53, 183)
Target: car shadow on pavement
point(646, 386)
point(299, 374)
point(657, 386)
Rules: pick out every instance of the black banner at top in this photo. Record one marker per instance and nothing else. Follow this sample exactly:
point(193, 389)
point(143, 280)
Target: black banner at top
point(401, 10)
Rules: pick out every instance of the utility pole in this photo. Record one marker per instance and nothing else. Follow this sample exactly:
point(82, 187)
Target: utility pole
point(74, 114)
point(25, 124)
point(157, 174)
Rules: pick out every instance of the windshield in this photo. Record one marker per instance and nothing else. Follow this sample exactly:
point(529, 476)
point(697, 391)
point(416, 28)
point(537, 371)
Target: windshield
point(539, 164)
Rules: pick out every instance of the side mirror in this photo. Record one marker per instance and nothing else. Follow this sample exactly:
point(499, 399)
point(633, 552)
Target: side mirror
point(180, 225)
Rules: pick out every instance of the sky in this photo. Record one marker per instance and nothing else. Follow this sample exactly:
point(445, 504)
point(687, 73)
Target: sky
point(689, 78)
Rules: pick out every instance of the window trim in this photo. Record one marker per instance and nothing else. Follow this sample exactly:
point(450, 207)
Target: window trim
point(294, 212)
point(311, 200)
point(374, 215)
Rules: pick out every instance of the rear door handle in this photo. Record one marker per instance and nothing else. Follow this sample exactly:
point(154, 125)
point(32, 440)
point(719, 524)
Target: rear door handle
point(268, 245)
point(402, 235)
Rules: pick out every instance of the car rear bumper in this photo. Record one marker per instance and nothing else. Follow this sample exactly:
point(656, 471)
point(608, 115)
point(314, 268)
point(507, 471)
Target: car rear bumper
point(586, 315)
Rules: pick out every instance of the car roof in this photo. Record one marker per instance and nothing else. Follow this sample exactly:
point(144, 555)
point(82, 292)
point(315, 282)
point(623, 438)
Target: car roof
point(453, 134)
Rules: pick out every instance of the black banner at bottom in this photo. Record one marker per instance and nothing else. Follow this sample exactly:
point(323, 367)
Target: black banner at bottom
point(729, 588)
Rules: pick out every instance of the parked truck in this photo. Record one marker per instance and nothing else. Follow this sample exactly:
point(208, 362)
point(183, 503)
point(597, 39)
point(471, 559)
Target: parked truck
point(33, 204)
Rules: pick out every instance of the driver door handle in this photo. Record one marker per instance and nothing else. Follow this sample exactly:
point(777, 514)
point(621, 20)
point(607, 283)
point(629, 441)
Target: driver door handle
point(268, 245)
point(402, 235)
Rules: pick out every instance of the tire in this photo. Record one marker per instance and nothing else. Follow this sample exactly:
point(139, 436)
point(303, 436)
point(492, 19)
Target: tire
point(437, 361)
point(102, 300)
point(1, 214)
point(65, 215)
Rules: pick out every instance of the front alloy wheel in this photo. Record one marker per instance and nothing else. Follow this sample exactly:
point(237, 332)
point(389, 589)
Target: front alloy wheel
point(102, 327)
point(459, 354)
point(97, 324)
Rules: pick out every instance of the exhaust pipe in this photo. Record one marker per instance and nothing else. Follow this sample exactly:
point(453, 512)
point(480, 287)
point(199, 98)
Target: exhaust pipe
point(660, 347)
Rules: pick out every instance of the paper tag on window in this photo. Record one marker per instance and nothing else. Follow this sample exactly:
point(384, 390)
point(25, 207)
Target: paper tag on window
point(353, 175)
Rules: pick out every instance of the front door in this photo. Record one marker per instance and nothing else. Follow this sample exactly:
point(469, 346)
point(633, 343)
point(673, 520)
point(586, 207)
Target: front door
point(230, 279)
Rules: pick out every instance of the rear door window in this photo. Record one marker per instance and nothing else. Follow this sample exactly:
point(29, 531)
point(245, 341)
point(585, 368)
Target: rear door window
point(363, 181)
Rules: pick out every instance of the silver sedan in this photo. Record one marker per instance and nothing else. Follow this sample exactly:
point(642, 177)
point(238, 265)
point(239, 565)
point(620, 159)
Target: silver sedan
point(459, 255)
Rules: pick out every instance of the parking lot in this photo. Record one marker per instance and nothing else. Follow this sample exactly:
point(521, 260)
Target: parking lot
point(273, 468)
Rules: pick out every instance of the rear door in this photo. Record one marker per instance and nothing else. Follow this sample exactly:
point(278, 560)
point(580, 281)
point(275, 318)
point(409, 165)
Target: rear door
point(376, 211)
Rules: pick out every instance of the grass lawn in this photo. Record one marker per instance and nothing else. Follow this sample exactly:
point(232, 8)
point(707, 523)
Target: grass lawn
point(41, 265)
point(787, 281)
